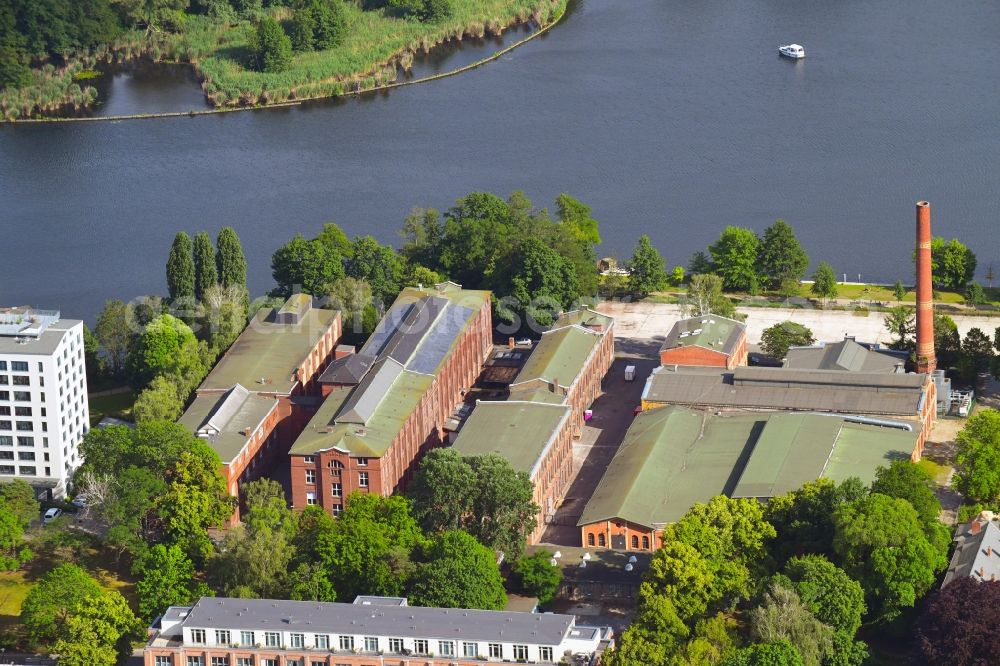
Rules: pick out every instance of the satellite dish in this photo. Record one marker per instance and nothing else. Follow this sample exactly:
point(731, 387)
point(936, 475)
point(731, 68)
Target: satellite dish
point(583, 564)
point(633, 559)
point(557, 554)
point(553, 562)
point(586, 556)
point(628, 567)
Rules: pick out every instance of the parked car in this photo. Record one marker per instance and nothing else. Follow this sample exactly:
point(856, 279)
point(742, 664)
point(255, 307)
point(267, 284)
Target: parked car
point(51, 515)
point(80, 501)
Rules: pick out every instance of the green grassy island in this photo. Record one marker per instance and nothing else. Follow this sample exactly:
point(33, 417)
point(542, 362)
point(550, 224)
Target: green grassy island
point(370, 44)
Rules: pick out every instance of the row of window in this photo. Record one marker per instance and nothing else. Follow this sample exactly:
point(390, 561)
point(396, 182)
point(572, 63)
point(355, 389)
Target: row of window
point(603, 542)
point(168, 660)
point(7, 440)
point(337, 487)
point(18, 366)
point(24, 470)
point(19, 396)
point(21, 455)
point(19, 411)
point(421, 646)
point(16, 380)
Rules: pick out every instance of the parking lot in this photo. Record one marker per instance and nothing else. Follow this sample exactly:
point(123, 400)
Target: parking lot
point(602, 435)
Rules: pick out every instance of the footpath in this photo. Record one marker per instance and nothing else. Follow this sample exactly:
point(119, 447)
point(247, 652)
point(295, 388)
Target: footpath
point(653, 320)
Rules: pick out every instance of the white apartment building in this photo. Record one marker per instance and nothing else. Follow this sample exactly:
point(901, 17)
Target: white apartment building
point(371, 631)
point(43, 397)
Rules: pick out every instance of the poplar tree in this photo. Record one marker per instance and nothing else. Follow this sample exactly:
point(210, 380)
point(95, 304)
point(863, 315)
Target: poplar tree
point(180, 267)
point(229, 259)
point(648, 270)
point(205, 273)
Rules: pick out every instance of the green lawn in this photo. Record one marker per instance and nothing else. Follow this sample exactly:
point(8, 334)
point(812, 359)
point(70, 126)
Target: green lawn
point(54, 545)
point(118, 405)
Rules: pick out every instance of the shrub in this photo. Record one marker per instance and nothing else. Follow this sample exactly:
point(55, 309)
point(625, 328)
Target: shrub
point(271, 47)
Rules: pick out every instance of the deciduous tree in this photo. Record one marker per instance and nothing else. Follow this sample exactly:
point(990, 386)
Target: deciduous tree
point(958, 627)
point(160, 401)
point(116, 327)
point(704, 296)
point(165, 577)
point(978, 457)
point(376, 264)
point(98, 632)
point(734, 256)
point(20, 498)
point(13, 552)
point(51, 601)
point(824, 282)
point(881, 542)
point(537, 576)
point(803, 518)
point(442, 490)
point(459, 572)
point(271, 47)
point(309, 265)
point(782, 616)
point(776, 340)
point(900, 322)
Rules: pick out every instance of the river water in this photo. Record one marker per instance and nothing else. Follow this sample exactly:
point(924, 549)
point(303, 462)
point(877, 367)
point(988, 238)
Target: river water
point(669, 117)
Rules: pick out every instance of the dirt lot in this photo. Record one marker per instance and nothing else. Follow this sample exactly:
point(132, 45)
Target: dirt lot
point(602, 436)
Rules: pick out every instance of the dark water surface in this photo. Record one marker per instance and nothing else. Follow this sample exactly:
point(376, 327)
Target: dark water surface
point(669, 117)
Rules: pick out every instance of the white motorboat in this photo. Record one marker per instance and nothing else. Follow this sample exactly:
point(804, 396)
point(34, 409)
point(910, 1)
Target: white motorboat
point(792, 51)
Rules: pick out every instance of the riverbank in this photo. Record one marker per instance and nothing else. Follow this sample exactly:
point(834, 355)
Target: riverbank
point(351, 93)
point(374, 52)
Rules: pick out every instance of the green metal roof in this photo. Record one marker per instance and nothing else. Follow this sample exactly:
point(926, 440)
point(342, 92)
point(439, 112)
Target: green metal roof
point(584, 317)
point(269, 351)
point(560, 355)
point(518, 431)
point(373, 438)
point(861, 449)
point(537, 391)
point(709, 331)
point(231, 438)
point(792, 449)
point(671, 458)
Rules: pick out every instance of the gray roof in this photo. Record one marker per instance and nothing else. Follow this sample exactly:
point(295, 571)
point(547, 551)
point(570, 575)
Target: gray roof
point(347, 370)
point(977, 551)
point(383, 620)
point(781, 388)
point(366, 397)
point(844, 355)
point(710, 331)
point(42, 344)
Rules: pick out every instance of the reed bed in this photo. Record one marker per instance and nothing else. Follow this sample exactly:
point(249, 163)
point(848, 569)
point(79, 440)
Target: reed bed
point(375, 46)
point(373, 52)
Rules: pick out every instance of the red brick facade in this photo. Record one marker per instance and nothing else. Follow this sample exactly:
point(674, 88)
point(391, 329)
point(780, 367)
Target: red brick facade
point(703, 356)
point(267, 447)
point(335, 473)
point(620, 535)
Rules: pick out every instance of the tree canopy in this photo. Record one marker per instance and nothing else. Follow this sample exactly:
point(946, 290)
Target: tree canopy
point(734, 256)
point(824, 281)
point(958, 625)
point(978, 457)
point(49, 603)
point(458, 572)
point(781, 256)
point(180, 268)
point(647, 269)
point(776, 340)
point(536, 576)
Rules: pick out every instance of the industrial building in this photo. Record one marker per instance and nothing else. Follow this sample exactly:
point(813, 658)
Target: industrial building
point(44, 412)
point(257, 398)
point(673, 457)
point(370, 631)
point(709, 341)
point(848, 355)
point(534, 429)
point(388, 403)
point(906, 401)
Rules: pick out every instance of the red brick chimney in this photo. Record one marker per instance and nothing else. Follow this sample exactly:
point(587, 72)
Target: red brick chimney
point(926, 360)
